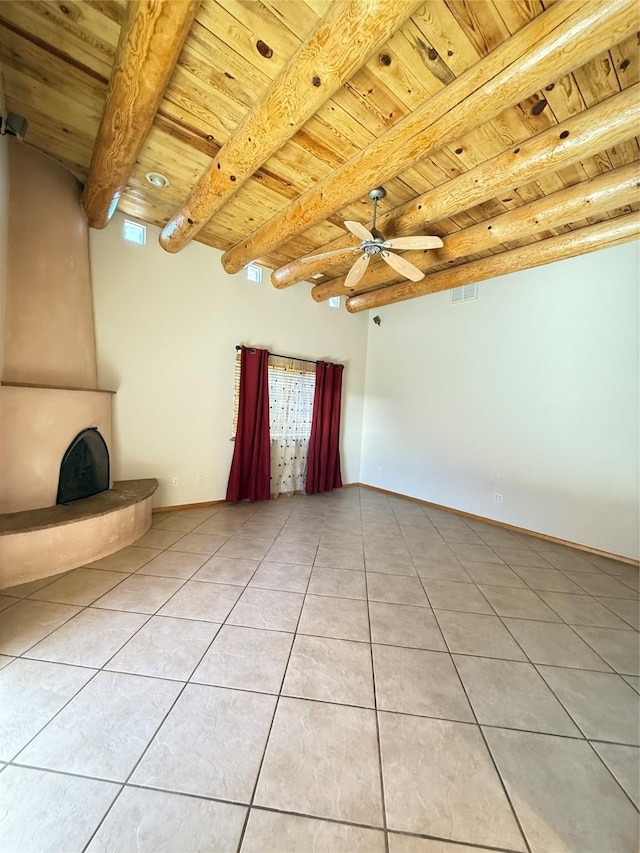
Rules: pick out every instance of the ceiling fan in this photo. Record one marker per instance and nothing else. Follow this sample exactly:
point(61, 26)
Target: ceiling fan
point(373, 243)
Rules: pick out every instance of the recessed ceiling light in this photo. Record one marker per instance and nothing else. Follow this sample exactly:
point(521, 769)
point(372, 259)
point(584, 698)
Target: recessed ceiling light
point(157, 179)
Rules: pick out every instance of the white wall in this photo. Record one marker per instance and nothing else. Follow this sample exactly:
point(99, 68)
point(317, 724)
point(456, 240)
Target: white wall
point(4, 223)
point(166, 330)
point(537, 380)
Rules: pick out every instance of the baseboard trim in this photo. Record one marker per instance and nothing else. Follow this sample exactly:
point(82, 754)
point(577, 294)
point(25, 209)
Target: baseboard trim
point(503, 524)
point(178, 507)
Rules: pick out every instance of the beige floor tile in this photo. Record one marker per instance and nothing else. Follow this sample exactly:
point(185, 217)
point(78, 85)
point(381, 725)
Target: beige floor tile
point(352, 541)
point(395, 589)
point(547, 579)
point(199, 543)
point(267, 608)
point(32, 692)
point(159, 538)
point(428, 568)
point(104, 730)
point(399, 843)
point(80, 586)
point(569, 560)
point(249, 549)
point(7, 601)
point(341, 618)
point(322, 760)
point(620, 649)
point(602, 704)
point(272, 831)
point(449, 595)
point(493, 574)
point(624, 763)
point(178, 522)
point(27, 622)
point(49, 811)
point(237, 571)
point(126, 560)
point(625, 608)
point(246, 658)
point(404, 625)
point(90, 638)
point(566, 801)
point(519, 603)
point(414, 681)
point(217, 526)
point(292, 533)
point(145, 820)
point(340, 558)
point(552, 643)
point(602, 584)
point(211, 602)
point(389, 564)
point(431, 550)
point(288, 577)
point(340, 583)
point(330, 671)
point(5, 660)
point(634, 681)
point(461, 536)
point(477, 553)
point(292, 552)
point(439, 780)
point(477, 634)
point(210, 744)
point(165, 648)
point(140, 594)
point(23, 590)
point(521, 557)
point(582, 610)
point(174, 564)
point(512, 694)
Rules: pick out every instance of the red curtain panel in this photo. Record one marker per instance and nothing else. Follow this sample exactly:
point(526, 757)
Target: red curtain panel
point(250, 467)
point(323, 465)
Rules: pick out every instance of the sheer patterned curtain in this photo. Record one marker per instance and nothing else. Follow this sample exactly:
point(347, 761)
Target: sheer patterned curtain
point(291, 391)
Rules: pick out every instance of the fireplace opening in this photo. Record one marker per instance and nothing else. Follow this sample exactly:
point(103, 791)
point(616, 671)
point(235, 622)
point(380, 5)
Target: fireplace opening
point(85, 467)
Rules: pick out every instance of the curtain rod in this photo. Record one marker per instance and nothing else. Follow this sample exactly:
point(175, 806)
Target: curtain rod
point(278, 355)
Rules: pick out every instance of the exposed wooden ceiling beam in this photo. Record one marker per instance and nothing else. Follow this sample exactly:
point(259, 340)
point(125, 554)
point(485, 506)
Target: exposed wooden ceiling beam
point(594, 197)
point(609, 123)
point(580, 242)
point(563, 38)
point(343, 40)
point(150, 41)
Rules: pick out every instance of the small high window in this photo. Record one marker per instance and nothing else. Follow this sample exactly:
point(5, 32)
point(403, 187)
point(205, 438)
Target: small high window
point(133, 232)
point(334, 302)
point(254, 273)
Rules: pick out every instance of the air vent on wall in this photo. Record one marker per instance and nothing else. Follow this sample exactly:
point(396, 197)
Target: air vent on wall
point(464, 293)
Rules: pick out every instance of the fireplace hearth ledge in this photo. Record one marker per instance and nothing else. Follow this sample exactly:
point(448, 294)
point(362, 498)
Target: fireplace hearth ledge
point(38, 543)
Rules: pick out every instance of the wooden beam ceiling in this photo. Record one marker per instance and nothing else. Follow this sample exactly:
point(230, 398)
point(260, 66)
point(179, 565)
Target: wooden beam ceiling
point(150, 41)
point(579, 242)
point(452, 70)
point(561, 39)
point(608, 124)
point(615, 189)
point(342, 41)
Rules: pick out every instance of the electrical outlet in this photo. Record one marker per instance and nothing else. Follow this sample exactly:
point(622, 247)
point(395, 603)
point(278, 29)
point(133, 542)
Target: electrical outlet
point(498, 497)
point(200, 479)
point(175, 481)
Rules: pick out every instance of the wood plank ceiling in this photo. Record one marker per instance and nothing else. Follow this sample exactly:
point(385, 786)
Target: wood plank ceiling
point(549, 191)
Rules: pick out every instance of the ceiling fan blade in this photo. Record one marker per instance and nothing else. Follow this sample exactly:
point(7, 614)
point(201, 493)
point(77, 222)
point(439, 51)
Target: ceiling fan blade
point(413, 243)
point(358, 230)
point(405, 268)
point(357, 271)
point(348, 251)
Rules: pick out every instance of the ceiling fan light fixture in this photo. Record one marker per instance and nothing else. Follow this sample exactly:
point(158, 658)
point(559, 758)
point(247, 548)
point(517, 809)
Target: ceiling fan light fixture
point(157, 179)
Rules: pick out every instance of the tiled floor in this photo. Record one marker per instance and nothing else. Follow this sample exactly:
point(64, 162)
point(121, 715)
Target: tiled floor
point(336, 673)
